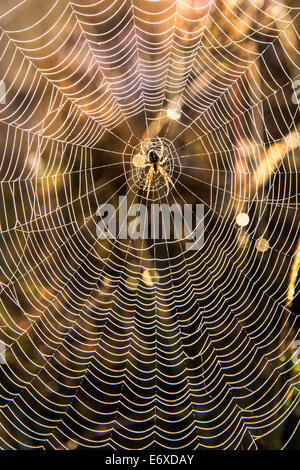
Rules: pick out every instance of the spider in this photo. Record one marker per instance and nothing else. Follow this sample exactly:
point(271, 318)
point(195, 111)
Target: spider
point(155, 159)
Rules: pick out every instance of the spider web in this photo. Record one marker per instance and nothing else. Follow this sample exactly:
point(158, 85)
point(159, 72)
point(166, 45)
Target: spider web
point(125, 343)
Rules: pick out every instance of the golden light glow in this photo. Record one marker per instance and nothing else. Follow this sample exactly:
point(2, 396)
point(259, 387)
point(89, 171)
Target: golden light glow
point(294, 274)
point(132, 283)
point(243, 240)
point(138, 160)
point(259, 3)
point(174, 113)
point(149, 278)
point(274, 155)
point(72, 445)
point(242, 219)
point(262, 245)
point(106, 281)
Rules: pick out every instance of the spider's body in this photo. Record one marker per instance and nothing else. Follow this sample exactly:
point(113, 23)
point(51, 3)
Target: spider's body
point(155, 159)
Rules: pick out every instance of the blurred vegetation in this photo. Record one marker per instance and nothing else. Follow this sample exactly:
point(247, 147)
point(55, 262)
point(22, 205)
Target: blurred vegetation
point(66, 164)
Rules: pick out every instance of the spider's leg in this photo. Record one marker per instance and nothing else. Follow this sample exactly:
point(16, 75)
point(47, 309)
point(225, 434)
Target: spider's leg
point(166, 177)
point(149, 180)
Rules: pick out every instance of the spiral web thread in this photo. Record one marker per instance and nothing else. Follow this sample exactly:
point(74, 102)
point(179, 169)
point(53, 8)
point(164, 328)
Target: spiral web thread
point(124, 343)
